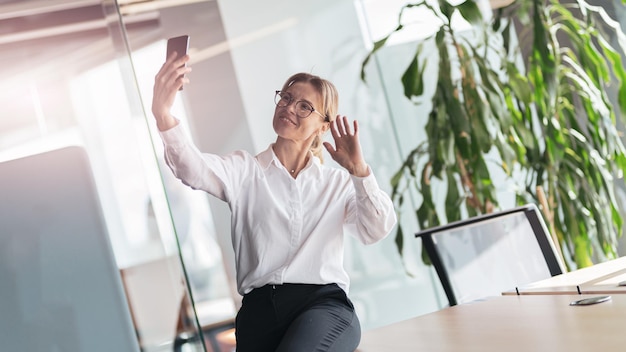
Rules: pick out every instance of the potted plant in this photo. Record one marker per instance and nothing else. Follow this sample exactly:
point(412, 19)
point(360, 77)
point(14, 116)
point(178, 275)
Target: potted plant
point(540, 100)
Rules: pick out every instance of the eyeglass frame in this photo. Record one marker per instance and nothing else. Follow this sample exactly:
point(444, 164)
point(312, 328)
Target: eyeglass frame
point(278, 94)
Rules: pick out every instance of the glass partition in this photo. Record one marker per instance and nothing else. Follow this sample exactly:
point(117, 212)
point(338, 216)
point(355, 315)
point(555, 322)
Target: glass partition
point(68, 82)
point(202, 226)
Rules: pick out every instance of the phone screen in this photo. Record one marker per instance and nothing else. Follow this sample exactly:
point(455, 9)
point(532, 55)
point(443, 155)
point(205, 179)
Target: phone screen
point(180, 45)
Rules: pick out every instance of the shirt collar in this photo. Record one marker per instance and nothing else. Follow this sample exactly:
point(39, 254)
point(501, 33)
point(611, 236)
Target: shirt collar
point(267, 157)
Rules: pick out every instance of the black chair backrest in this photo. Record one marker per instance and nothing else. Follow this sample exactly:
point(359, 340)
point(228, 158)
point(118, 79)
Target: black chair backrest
point(488, 254)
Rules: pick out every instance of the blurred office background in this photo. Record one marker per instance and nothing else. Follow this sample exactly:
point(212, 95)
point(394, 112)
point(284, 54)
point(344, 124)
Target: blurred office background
point(80, 73)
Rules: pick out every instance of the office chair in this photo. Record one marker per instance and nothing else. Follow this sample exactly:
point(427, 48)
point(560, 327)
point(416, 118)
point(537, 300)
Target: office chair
point(488, 254)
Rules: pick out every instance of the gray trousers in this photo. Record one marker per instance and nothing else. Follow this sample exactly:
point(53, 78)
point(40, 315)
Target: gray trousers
point(297, 318)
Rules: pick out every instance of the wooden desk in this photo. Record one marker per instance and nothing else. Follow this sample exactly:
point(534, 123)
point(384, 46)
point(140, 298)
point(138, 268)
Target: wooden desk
point(508, 323)
point(601, 278)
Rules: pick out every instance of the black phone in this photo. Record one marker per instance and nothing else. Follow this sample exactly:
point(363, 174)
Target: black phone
point(180, 45)
point(591, 300)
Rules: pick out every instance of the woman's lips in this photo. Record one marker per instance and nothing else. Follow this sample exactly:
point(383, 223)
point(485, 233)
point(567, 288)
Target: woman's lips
point(288, 119)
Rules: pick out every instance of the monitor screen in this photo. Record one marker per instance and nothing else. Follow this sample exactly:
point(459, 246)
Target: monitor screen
point(60, 286)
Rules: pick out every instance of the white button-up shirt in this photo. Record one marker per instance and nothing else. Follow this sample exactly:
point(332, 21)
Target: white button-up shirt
point(284, 230)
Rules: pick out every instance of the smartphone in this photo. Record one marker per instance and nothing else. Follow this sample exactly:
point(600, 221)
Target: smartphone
point(591, 300)
point(180, 45)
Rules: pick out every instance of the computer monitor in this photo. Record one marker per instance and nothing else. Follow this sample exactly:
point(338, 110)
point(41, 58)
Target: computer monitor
point(60, 287)
point(489, 254)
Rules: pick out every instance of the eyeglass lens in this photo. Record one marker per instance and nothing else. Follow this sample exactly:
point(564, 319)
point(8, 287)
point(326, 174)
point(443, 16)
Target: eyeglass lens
point(303, 109)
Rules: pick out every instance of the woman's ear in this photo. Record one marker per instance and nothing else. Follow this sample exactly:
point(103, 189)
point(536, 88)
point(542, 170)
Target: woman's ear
point(324, 127)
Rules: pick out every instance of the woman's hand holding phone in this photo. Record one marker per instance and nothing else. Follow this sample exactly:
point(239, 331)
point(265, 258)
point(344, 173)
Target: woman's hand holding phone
point(178, 46)
point(168, 81)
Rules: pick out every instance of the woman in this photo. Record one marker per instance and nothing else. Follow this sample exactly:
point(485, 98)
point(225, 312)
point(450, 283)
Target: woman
point(288, 213)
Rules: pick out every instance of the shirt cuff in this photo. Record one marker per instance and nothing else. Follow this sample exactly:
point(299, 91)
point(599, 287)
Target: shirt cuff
point(174, 136)
point(365, 186)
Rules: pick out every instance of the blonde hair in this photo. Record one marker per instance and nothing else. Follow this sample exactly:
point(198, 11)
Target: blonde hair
point(330, 102)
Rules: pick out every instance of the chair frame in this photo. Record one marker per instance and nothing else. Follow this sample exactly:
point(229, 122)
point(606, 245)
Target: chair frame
point(553, 260)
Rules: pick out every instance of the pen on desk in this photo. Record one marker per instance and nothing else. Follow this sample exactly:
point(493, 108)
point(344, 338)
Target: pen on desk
point(578, 289)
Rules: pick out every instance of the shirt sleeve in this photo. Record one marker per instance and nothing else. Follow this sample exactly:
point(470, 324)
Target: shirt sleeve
point(201, 171)
point(371, 210)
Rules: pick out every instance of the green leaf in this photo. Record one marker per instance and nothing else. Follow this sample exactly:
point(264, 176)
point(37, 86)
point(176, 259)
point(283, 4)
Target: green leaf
point(412, 79)
point(519, 84)
point(377, 46)
point(446, 9)
point(453, 198)
point(399, 240)
point(619, 71)
point(470, 11)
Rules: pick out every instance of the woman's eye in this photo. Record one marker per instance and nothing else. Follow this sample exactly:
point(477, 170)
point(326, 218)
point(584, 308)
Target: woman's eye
point(305, 106)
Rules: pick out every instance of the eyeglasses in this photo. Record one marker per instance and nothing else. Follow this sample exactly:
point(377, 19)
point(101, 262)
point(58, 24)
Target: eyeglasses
point(303, 108)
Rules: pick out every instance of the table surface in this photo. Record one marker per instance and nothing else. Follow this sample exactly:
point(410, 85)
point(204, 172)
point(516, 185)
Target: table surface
point(602, 278)
point(509, 323)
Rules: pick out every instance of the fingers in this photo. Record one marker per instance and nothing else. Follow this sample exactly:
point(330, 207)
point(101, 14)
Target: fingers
point(172, 63)
point(329, 147)
point(333, 129)
point(344, 126)
point(173, 71)
point(170, 78)
point(172, 56)
point(340, 127)
point(177, 62)
point(181, 76)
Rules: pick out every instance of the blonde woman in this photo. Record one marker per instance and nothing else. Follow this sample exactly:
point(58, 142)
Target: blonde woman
point(288, 212)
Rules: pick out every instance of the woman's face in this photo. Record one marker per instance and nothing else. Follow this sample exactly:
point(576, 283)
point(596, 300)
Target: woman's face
point(288, 125)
